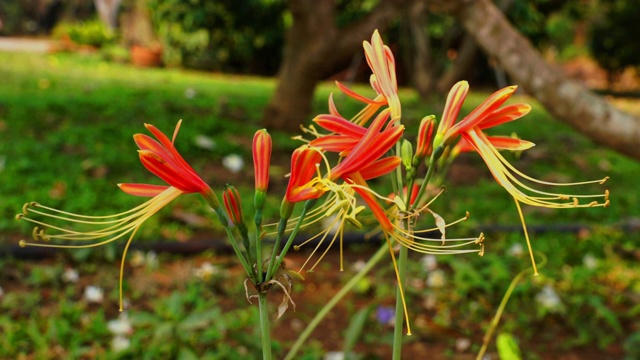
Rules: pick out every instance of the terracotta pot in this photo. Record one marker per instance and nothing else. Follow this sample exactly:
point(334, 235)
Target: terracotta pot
point(146, 57)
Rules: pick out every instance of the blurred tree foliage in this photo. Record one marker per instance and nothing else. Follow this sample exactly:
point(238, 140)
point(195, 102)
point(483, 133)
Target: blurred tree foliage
point(223, 35)
point(614, 43)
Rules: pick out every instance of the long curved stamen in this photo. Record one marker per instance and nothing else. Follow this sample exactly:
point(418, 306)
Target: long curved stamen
point(117, 226)
point(504, 172)
point(120, 226)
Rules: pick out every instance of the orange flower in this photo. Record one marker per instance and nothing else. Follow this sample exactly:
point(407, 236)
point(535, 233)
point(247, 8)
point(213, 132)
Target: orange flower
point(383, 80)
point(364, 155)
point(162, 159)
point(374, 143)
point(304, 162)
point(486, 115)
point(517, 184)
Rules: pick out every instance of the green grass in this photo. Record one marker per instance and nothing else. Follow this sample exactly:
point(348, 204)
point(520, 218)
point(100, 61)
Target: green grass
point(66, 123)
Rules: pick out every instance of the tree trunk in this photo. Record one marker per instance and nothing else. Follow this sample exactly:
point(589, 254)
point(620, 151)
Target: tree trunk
point(135, 24)
point(107, 12)
point(465, 58)
point(315, 47)
point(422, 65)
point(565, 99)
point(461, 65)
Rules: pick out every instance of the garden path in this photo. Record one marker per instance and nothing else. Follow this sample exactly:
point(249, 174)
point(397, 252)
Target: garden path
point(13, 44)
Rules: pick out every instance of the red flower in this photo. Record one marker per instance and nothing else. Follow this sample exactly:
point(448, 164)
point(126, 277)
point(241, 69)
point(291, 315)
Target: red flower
point(304, 161)
point(383, 80)
point(162, 159)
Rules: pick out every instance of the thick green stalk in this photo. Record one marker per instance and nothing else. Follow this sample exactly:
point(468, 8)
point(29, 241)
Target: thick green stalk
point(400, 316)
point(375, 259)
point(265, 327)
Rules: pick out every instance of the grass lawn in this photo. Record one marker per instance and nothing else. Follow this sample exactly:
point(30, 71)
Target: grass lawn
point(66, 123)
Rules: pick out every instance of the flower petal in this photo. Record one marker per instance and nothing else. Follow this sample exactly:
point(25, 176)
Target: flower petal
point(455, 99)
point(357, 96)
point(145, 190)
point(380, 167)
point(504, 115)
point(340, 125)
point(478, 114)
point(335, 143)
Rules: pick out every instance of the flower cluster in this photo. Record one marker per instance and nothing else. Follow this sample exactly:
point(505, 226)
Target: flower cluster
point(333, 169)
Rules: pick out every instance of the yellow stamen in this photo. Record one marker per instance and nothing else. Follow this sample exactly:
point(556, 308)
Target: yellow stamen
point(526, 236)
point(114, 226)
point(395, 267)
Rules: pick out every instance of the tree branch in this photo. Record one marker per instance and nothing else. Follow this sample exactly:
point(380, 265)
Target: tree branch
point(567, 100)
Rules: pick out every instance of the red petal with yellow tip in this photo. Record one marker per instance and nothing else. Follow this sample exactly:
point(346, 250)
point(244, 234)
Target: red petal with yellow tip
point(145, 190)
point(455, 99)
point(499, 142)
point(509, 143)
point(478, 114)
point(357, 96)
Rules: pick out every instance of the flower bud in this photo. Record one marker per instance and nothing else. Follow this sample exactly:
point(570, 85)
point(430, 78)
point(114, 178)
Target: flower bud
point(261, 159)
point(424, 143)
point(232, 204)
point(406, 153)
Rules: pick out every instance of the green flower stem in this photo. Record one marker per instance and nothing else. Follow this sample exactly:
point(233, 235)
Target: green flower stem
point(241, 256)
point(427, 177)
point(375, 259)
point(212, 200)
point(496, 318)
point(503, 304)
point(307, 206)
point(403, 259)
point(232, 239)
point(282, 226)
point(265, 327)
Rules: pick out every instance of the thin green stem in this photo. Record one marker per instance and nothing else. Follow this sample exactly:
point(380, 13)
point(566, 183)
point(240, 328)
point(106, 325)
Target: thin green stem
point(213, 202)
point(403, 259)
point(282, 226)
point(307, 206)
point(258, 239)
point(375, 259)
point(241, 256)
point(246, 243)
point(496, 318)
point(503, 304)
point(425, 181)
point(265, 328)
